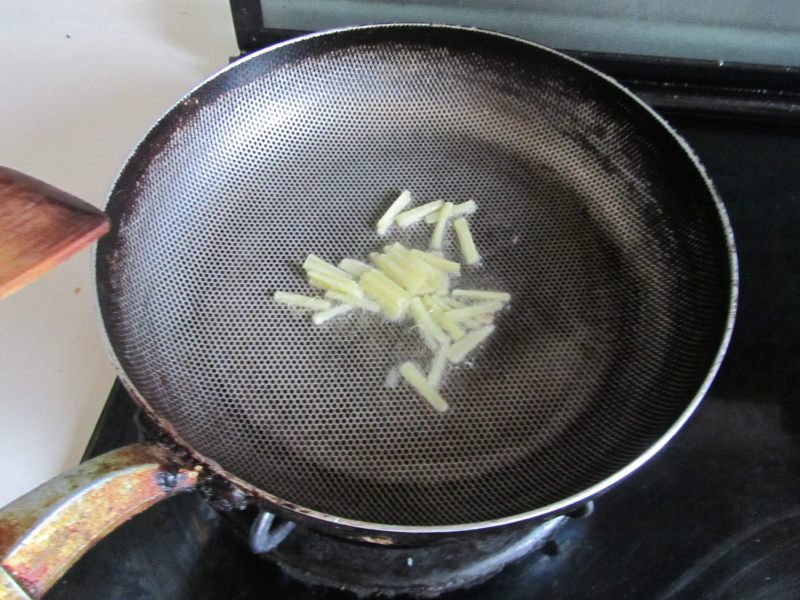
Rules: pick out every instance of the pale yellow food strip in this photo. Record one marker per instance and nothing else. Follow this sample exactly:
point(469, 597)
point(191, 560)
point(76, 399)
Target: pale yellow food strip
point(453, 329)
point(453, 302)
point(436, 279)
point(301, 301)
point(328, 281)
point(465, 208)
point(385, 285)
point(448, 266)
point(398, 273)
point(392, 299)
point(336, 283)
point(402, 255)
point(415, 215)
point(438, 365)
point(376, 291)
point(385, 222)
point(482, 295)
point(468, 249)
point(412, 262)
point(442, 284)
point(395, 249)
point(475, 310)
point(315, 263)
point(438, 232)
point(443, 302)
point(356, 268)
point(326, 315)
point(393, 310)
point(459, 350)
point(425, 331)
point(426, 322)
point(428, 338)
point(362, 302)
point(448, 303)
point(417, 380)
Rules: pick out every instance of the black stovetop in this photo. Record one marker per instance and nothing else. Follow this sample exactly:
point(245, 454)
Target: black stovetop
point(715, 515)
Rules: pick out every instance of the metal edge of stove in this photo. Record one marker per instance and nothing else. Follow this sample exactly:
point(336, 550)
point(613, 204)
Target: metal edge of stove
point(766, 94)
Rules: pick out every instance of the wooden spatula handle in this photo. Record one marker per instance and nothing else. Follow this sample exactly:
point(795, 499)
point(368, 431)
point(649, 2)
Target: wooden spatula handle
point(40, 227)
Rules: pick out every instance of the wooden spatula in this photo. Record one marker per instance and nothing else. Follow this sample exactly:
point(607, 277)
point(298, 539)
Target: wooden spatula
point(40, 227)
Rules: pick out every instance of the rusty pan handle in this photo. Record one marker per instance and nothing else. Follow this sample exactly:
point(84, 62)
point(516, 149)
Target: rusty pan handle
point(43, 533)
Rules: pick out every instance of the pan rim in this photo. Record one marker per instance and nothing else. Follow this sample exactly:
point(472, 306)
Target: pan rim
point(541, 513)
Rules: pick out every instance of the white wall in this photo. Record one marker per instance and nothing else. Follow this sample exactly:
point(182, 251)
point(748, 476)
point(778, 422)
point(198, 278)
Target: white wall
point(82, 81)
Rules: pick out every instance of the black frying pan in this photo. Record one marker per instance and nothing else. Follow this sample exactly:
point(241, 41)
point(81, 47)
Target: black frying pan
point(593, 213)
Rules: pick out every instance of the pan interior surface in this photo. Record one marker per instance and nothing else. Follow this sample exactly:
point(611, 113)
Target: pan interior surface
point(590, 213)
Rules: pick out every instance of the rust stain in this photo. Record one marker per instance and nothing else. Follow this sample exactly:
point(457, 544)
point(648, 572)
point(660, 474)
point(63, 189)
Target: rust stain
point(60, 521)
point(377, 539)
point(9, 532)
point(77, 290)
point(15, 522)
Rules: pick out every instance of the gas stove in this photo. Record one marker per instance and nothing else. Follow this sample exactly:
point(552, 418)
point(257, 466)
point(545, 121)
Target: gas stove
point(715, 515)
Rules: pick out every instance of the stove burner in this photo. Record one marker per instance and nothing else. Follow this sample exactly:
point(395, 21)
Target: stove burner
point(423, 571)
